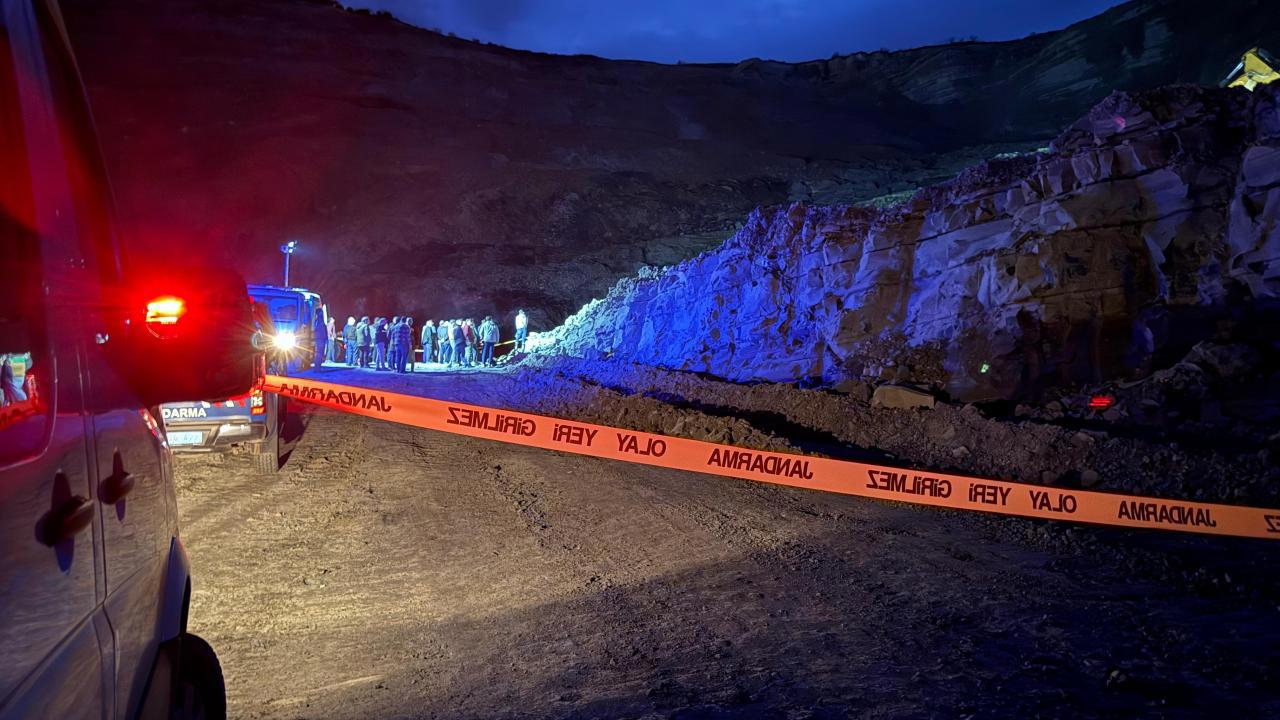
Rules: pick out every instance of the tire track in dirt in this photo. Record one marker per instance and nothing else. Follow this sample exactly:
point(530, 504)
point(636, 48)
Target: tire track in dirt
point(233, 491)
point(249, 585)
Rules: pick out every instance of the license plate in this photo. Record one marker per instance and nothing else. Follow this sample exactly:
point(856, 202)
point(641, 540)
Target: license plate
point(186, 438)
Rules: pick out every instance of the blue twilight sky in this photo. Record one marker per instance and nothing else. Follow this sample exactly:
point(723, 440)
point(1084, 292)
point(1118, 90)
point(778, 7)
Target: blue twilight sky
point(731, 30)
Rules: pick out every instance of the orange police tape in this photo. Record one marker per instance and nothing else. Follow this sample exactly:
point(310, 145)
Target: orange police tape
point(815, 473)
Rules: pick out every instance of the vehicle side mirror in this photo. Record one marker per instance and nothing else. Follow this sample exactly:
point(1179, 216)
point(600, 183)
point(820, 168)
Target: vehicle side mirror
point(189, 335)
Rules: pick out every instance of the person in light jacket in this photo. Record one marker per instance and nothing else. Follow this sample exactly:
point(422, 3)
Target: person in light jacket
point(349, 340)
point(445, 334)
point(488, 336)
point(522, 330)
point(331, 332)
point(364, 341)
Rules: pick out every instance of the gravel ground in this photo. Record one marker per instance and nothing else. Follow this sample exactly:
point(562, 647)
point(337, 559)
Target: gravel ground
point(396, 572)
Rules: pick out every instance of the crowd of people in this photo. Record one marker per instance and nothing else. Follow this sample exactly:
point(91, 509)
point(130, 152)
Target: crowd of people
point(382, 344)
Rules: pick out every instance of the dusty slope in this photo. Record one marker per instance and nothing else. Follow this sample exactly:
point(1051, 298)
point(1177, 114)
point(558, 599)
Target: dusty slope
point(448, 175)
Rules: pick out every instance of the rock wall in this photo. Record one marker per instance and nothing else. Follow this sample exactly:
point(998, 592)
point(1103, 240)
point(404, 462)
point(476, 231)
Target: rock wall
point(1148, 225)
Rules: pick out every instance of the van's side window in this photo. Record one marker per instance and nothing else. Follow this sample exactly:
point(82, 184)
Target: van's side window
point(84, 169)
point(26, 371)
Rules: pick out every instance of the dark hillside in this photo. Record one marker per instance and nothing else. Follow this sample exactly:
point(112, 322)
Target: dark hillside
point(445, 176)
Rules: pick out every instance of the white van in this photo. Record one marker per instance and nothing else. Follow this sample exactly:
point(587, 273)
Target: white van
point(94, 583)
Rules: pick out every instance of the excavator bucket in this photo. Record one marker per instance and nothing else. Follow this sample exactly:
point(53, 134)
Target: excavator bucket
point(1256, 67)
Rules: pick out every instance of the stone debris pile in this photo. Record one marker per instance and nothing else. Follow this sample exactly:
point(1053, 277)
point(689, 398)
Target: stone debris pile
point(1150, 225)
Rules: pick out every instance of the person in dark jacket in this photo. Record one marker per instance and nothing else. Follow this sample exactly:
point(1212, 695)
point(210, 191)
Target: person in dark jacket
point(459, 342)
point(445, 336)
point(411, 362)
point(402, 343)
point(364, 341)
point(380, 336)
point(469, 337)
point(393, 358)
point(320, 337)
point(429, 341)
point(9, 384)
point(349, 340)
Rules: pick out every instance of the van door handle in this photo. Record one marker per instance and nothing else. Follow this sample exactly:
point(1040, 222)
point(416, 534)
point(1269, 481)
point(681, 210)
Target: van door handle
point(65, 521)
point(115, 487)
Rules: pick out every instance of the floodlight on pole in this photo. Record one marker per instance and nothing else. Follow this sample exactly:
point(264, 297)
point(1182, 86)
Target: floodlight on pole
point(288, 249)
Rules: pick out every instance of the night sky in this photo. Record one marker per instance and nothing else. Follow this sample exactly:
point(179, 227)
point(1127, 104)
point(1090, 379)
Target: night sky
point(730, 30)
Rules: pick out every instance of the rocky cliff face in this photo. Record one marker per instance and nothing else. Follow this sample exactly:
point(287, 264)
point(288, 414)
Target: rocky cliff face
point(440, 176)
point(1150, 224)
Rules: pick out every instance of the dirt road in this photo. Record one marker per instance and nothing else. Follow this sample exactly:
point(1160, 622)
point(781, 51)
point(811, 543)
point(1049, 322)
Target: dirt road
point(394, 572)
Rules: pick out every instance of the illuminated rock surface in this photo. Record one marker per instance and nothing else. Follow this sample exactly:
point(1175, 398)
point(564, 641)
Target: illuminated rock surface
point(1149, 223)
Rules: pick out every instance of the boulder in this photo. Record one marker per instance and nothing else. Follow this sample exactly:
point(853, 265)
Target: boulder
point(855, 389)
point(1225, 361)
point(903, 398)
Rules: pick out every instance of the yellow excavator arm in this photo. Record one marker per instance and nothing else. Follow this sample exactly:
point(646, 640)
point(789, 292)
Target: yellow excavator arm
point(1256, 67)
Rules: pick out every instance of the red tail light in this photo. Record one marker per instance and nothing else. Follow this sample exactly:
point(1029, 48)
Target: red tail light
point(163, 314)
point(1101, 402)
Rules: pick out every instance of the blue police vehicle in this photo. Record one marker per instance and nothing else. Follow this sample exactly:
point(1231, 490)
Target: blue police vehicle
point(253, 420)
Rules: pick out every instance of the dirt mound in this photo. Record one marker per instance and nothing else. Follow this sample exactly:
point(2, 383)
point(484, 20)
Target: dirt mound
point(1067, 445)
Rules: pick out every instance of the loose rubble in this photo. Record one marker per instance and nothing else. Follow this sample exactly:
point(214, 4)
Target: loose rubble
point(1149, 226)
point(1062, 442)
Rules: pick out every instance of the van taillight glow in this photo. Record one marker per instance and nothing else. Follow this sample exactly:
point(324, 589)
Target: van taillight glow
point(166, 310)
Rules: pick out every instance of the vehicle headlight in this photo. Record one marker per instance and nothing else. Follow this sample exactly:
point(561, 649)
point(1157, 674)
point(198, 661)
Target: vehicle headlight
point(285, 341)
